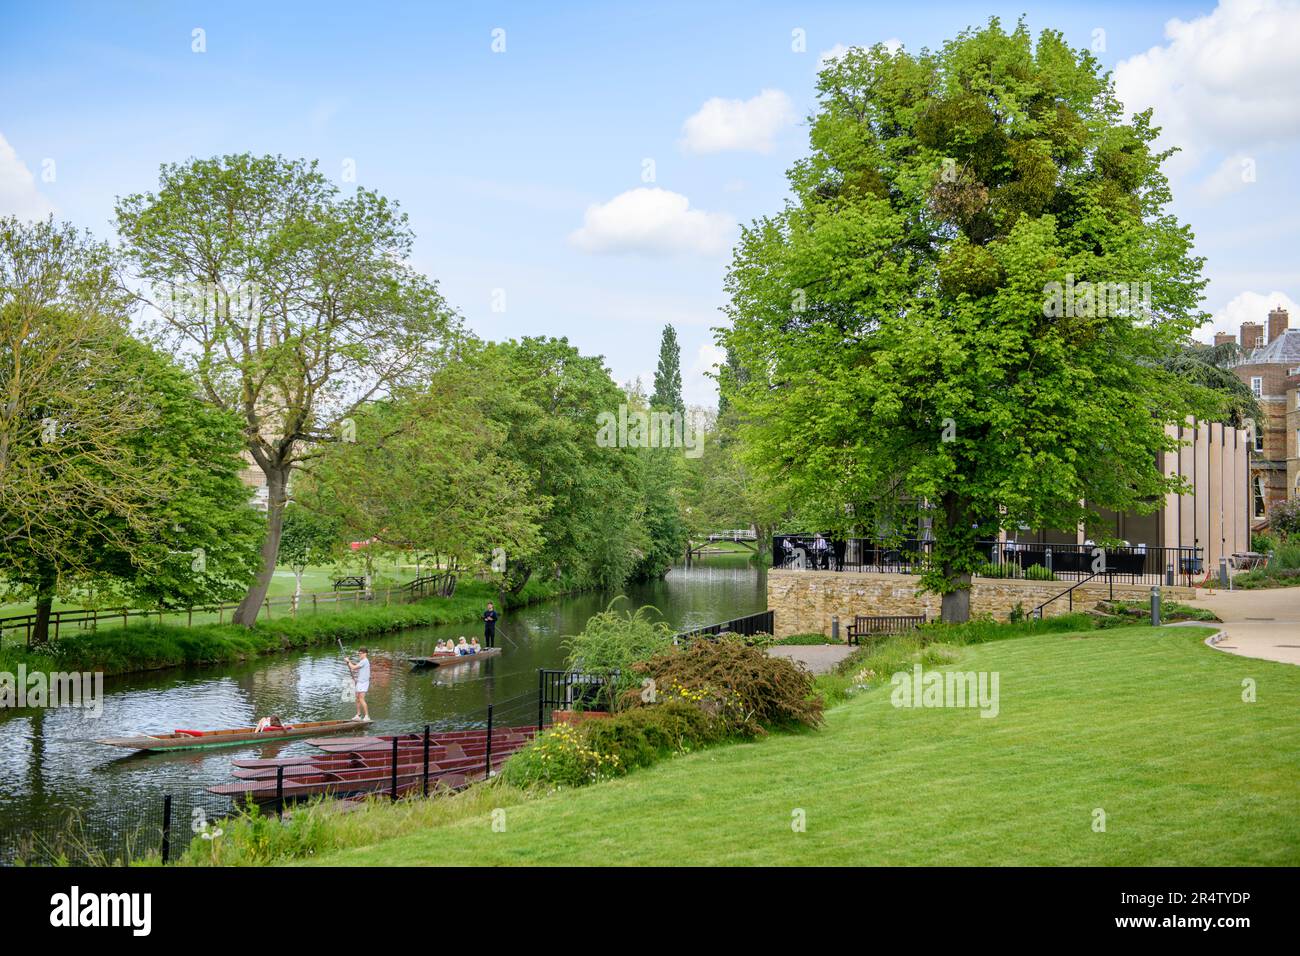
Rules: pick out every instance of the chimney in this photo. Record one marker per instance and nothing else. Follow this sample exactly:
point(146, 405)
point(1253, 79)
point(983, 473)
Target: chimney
point(1223, 338)
point(1252, 335)
point(1278, 320)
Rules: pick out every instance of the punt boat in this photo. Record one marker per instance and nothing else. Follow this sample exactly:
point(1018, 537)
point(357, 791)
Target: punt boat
point(451, 660)
point(200, 739)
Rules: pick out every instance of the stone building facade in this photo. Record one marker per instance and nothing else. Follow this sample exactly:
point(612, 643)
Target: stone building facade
point(1271, 357)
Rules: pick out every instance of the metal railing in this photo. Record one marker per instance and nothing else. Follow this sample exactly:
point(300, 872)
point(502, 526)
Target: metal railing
point(569, 690)
point(1003, 559)
point(166, 818)
point(764, 622)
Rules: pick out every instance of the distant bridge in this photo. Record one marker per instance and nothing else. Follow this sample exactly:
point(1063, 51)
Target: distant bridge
point(701, 545)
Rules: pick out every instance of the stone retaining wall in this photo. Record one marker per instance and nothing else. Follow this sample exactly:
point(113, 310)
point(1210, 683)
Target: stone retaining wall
point(805, 601)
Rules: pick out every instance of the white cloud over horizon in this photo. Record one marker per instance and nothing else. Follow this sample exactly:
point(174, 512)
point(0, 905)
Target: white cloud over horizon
point(19, 194)
point(743, 125)
point(1249, 307)
point(654, 222)
point(1224, 82)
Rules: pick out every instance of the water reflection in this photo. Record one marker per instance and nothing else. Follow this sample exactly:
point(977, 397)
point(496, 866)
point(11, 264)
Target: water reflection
point(50, 766)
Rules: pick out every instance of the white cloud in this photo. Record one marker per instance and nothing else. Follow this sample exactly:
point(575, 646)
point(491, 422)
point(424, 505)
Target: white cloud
point(738, 124)
point(893, 45)
point(653, 222)
point(1251, 307)
point(1225, 81)
point(19, 195)
point(1235, 173)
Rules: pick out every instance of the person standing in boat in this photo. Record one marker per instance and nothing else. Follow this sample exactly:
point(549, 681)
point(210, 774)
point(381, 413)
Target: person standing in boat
point(361, 682)
point(489, 626)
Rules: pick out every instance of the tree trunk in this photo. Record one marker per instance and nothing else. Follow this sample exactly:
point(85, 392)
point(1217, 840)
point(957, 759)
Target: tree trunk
point(957, 520)
point(44, 604)
point(956, 606)
point(277, 480)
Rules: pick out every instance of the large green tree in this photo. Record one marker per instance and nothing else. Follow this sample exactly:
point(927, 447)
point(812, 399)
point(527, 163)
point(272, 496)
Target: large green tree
point(548, 396)
point(428, 471)
point(115, 477)
point(917, 326)
point(293, 305)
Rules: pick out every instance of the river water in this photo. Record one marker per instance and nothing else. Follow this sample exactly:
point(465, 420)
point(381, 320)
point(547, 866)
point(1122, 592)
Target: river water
point(52, 772)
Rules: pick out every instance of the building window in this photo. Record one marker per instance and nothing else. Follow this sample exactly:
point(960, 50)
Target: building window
point(1259, 437)
point(1258, 486)
point(1256, 386)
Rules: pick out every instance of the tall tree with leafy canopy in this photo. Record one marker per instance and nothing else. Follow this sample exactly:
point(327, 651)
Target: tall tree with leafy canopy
point(293, 305)
point(115, 477)
point(548, 396)
point(1211, 366)
point(668, 374)
point(899, 320)
point(428, 471)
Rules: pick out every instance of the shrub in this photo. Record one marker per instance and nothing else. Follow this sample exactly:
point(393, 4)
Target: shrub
point(561, 757)
point(1036, 572)
point(745, 688)
point(643, 735)
point(1284, 518)
point(1262, 542)
point(612, 641)
point(805, 640)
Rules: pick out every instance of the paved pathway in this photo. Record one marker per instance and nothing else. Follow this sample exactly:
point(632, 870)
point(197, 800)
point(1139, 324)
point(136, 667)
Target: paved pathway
point(818, 658)
point(1263, 623)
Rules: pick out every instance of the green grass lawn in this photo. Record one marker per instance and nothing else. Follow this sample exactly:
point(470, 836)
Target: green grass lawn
point(1147, 725)
point(318, 578)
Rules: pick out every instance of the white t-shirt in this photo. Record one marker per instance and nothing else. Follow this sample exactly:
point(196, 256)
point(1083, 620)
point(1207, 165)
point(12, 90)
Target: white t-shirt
point(363, 674)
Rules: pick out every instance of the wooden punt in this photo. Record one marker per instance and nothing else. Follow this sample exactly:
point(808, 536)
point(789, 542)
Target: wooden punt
point(451, 660)
point(357, 781)
point(385, 744)
point(227, 738)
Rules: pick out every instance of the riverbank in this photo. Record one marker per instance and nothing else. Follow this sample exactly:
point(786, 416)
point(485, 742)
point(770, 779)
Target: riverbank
point(1108, 747)
point(145, 647)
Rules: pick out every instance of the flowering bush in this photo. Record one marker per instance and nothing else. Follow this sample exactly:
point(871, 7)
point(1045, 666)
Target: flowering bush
point(561, 757)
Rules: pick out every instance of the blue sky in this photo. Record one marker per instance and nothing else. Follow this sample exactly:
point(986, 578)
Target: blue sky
point(590, 176)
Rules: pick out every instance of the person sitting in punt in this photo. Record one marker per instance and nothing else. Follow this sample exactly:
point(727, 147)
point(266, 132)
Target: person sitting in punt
point(474, 646)
point(269, 723)
point(444, 647)
point(462, 647)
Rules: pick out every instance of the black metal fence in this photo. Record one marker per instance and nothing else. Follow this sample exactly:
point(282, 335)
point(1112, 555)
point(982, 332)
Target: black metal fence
point(169, 817)
point(1003, 559)
point(569, 690)
point(751, 624)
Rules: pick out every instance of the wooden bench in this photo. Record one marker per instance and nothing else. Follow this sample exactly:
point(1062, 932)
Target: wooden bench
point(870, 626)
point(350, 583)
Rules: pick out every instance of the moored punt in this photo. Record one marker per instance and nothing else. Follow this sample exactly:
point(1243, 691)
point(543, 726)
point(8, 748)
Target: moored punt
point(200, 739)
point(385, 741)
point(358, 781)
point(451, 660)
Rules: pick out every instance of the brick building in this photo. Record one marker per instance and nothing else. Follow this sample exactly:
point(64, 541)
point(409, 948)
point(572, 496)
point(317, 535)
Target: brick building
point(1293, 432)
point(1268, 366)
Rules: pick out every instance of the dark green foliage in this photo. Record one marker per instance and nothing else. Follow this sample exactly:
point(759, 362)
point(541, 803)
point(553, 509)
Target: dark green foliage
point(668, 375)
point(748, 690)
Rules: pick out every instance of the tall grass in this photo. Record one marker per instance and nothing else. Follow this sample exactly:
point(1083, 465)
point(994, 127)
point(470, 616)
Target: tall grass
point(252, 838)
